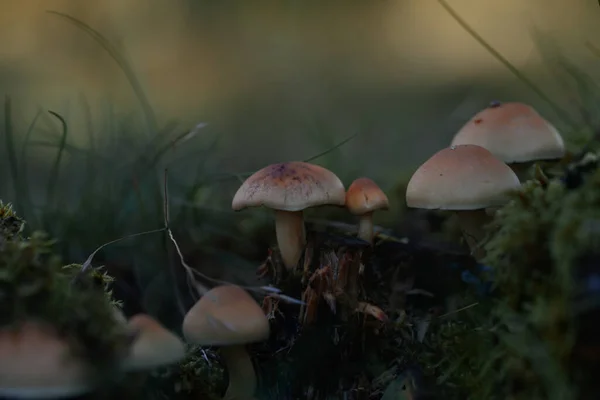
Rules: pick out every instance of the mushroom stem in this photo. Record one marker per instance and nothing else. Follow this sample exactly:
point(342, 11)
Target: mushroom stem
point(522, 170)
point(365, 227)
point(472, 223)
point(291, 237)
point(242, 378)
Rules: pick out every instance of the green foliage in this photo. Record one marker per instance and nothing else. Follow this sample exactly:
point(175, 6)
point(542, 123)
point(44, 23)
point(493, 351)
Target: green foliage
point(536, 253)
point(100, 277)
point(194, 377)
point(35, 286)
point(10, 224)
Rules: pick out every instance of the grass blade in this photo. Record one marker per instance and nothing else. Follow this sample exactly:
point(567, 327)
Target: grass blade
point(28, 204)
point(335, 147)
point(10, 148)
point(54, 172)
point(242, 175)
point(557, 109)
point(123, 64)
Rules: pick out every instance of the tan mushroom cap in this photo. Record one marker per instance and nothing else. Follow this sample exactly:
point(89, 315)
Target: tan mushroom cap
point(513, 132)
point(36, 363)
point(154, 346)
point(364, 196)
point(225, 315)
point(465, 177)
point(290, 186)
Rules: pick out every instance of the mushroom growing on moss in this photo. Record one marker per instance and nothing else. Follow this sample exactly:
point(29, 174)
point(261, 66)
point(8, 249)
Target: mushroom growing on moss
point(363, 198)
point(466, 179)
point(228, 316)
point(35, 362)
point(289, 188)
point(515, 133)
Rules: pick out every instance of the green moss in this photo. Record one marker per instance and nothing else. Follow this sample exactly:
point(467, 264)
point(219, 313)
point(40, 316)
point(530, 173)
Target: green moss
point(11, 225)
point(192, 378)
point(100, 277)
point(35, 286)
point(536, 253)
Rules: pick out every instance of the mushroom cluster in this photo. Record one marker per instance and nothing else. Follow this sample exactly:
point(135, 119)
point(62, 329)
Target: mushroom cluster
point(515, 133)
point(225, 316)
point(44, 365)
point(488, 158)
point(289, 188)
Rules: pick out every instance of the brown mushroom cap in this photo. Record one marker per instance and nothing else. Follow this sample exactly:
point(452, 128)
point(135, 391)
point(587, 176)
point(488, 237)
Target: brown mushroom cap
point(364, 196)
point(154, 346)
point(290, 186)
point(36, 363)
point(513, 132)
point(464, 177)
point(225, 315)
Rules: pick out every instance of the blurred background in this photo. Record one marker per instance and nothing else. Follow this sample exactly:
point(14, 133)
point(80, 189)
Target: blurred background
point(275, 78)
point(274, 81)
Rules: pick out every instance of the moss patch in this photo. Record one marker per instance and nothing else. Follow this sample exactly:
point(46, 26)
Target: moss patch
point(545, 289)
point(35, 285)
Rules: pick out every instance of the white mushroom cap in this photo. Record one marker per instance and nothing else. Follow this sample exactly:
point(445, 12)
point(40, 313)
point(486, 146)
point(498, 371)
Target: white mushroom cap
point(464, 177)
point(225, 315)
point(35, 363)
point(513, 132)
point(154, 346)
point(290, 186)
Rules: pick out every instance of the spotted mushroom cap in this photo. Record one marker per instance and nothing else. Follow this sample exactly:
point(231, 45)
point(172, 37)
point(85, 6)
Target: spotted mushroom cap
point(364, 196)
point(463, 177)
point(290, 186)
point(513, 132)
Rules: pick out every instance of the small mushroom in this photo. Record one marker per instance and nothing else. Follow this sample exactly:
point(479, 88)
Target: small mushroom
point(228, 316)
point(515, 133)
point(466, 179)
point(289, 188)
point(363, 198)
point(154, 346)
point(35, 363)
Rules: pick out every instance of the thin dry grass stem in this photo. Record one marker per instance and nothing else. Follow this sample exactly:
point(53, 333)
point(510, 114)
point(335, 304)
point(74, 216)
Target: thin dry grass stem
point(458, 310)
point(87, 264)
point(562, 114)
point(191, 281)
point(191, 273)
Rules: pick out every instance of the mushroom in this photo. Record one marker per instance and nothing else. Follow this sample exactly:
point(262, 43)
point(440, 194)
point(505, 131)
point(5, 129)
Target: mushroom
point(228, 316)
point(289, 188)
point(515, 133)
point(153, 346)
point(363, 198)
point(37, 363)
point(466, 179)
